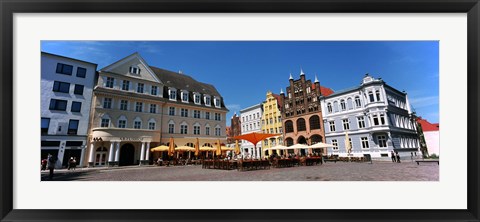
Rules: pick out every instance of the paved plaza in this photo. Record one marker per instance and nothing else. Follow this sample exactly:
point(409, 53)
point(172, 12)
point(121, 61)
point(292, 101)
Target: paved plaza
point(330, 171)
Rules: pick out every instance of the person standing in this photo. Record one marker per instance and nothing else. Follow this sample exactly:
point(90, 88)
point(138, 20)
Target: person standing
point(393, 157)
point(397, 156)
point(51, 165)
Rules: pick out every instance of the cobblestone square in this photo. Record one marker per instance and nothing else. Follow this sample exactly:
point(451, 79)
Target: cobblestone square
point(340, 171)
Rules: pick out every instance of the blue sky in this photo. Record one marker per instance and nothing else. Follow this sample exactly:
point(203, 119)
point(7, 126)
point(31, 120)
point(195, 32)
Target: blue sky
point(243, 71)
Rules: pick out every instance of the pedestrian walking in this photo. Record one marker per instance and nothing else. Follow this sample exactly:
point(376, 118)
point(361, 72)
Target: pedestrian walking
point(51, 165)
point(393, 157)
point(397, 156)
point(74, 163)
point(44, 164)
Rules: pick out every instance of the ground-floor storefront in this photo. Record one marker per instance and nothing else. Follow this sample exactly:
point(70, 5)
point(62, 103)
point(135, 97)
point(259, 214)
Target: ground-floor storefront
point(64, 148)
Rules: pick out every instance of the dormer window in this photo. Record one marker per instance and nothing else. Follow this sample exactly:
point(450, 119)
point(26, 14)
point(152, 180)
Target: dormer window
point(216, 101)
point(207, 100)
point(172, 94)
point(185, 96)
point(196, 98)
point(134, 70)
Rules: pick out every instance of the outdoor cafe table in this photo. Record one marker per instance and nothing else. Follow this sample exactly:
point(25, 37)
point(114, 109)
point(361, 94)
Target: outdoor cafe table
point(310, 161)
point(219, 164)
point(290, 162)
point(253, 164)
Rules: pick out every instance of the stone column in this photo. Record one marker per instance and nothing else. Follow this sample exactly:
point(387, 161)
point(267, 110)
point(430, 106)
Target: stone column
point(110, 154)
point(142, 154)
point(147, 152)
point(91, 155)
point(117, 153)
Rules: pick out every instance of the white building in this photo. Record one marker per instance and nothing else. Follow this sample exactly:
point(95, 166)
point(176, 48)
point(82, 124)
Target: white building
point(251, 120)
point(66, 95)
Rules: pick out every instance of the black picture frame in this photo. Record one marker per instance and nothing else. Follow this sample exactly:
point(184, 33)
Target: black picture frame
point(9, 7)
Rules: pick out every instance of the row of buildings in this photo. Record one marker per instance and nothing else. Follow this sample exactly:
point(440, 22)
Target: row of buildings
point(375, 117)
point(113, 116)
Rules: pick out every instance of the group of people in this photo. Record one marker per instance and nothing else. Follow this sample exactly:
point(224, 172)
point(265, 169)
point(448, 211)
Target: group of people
point(395, 157)
point(49, 163)
point(72, 163)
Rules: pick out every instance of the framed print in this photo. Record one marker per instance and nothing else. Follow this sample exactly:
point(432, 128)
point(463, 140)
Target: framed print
point(130, 115)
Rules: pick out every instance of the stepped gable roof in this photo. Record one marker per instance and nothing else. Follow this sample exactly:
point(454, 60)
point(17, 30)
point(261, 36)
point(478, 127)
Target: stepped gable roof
point(279, 101)
point(324, 90)
point(427, 126)
point(182, 81)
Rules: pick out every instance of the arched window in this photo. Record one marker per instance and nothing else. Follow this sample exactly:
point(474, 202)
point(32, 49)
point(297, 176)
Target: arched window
point(288, 126)
point(151, 124)
point(335, 106)
point(349, 104)
point(190, 145)
point(288, 141)
point(343, 105)
point(122, 122)
point(301, 126)
point(314, 122)
point(137, 123)
point(329, 108)
point(358, 104)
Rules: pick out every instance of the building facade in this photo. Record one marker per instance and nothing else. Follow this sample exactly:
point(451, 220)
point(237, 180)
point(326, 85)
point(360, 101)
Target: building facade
point(376, 117)
point(251, 119)
point(431, 135)
point(272, 123)
point(137, 106)
point(302, 113)
point(66, 95)
point(235, 128)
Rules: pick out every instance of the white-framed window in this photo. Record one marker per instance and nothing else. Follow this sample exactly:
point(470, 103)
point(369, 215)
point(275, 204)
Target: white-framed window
point(171, 128)
point(183, 129)
point(357, 102)
point(122, 122)
point(343, 105)
point(123, 104)
point(137, 124)
point(382, 119)
point(107, 103)
point(196, 114)
point(207, 100)
point(153, 108)
point(184, 112)
point(154, 90)
point(151, 125)
point(185, 96)
point(109, 82)
point(172, 94)
point(171, 111)
point(361, 122)
point(350, 142)
point(207, 115)
point(196, 98)
point(134, 70)
point(335, 144)
point(207, 130)
point(105, 122)
point(218, 117)
point(332, 126)
point(346, 124)
point(138, 107)
point(382, 141)
point(216, 100)
point(370, 95)
point(217, 131)
point(364, 141)
point(377, 93)
point(125, 85)
point(140, 87)
point(375, 120)
point(196, 130)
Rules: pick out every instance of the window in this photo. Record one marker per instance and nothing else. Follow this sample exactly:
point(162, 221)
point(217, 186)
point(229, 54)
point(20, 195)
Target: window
point(109, 82)
point(172, 94)
point(105, 122)
point(382, 119)
point(64, 69)
point(56, 104)
point(207, 130)
point(218, 117)
point(207, 100)
point(196, 130)
point(154, 90)
point(140, 87)
point(357, 102)
point(207, 115)
point(76, 106)
point(364, 141)
point(217, 103)
point(370, 95)
point(125, 85)
point(196, 114)
point(122, 123)
point(361, 122)
point(134, 70)
point(217, 131)
point(382, 141)
point(183, 129)
point(378, 95)
point(342, 105)
point(375, 120)
point(301, 126)
point(72, 127)
point(196, 98)
point(335, 144)
point(288, 126)
point(139, 107)
point(137, 124)
point(184, 96)
point(107, 103)
point(171, 111)
point(123, 104)
point(332, 126)
point(171, 128)
point(153, 108)
point(329, 108)
point(81, 72)
point(45, 125)
point(78, 90)
point(184, 112)
point(151, 125)
point(346, 124)
point(61, 87)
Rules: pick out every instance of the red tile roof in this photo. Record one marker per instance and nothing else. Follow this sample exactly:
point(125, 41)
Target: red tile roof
point(324, 90)
point(427, 126)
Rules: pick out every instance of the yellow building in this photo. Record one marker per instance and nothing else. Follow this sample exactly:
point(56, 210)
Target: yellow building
point(272, 123)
